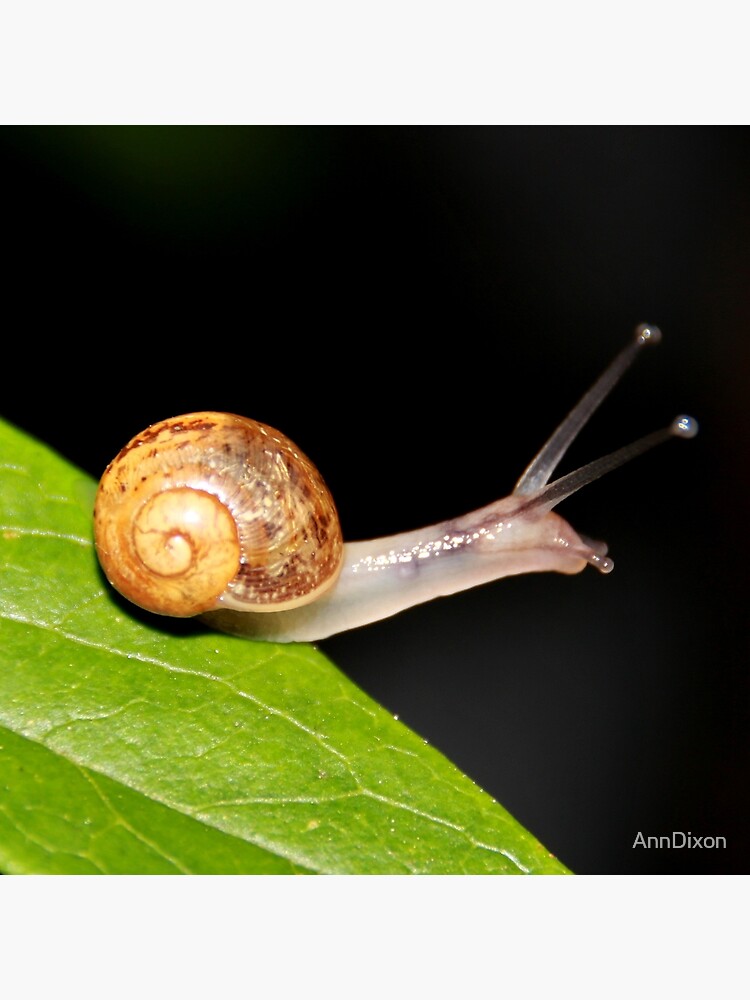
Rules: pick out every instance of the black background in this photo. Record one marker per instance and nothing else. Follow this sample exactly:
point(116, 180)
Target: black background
point(417, 308)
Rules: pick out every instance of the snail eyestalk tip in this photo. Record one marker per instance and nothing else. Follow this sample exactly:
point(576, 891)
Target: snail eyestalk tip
point(647, 333)
point(684, 427)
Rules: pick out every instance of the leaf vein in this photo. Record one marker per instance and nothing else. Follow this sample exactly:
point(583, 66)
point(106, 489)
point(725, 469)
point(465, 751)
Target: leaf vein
point(61, 536)
point(121, 821)
point(321, 739)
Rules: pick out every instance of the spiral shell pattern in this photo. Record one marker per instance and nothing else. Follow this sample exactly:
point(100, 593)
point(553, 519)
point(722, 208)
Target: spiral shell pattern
point(212, 509)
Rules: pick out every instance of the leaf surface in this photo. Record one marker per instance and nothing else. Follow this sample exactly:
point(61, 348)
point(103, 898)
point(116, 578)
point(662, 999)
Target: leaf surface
point(133, 744)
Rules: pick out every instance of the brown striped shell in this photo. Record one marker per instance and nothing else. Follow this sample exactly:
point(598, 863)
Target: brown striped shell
point(212, 509)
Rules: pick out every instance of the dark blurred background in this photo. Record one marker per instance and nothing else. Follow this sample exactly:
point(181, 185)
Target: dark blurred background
point(417, 308)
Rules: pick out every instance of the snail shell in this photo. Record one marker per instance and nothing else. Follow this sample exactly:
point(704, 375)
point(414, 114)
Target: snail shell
point(214, 505)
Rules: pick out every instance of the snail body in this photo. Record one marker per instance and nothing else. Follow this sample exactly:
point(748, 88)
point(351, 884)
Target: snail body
point(217, 515)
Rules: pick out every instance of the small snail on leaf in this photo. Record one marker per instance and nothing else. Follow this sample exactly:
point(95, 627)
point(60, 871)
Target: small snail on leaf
point(217, 515)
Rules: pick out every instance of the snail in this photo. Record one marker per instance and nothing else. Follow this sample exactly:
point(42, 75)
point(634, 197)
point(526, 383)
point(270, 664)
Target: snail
point(217, 515)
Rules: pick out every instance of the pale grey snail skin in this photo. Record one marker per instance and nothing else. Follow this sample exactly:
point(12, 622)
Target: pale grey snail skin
point(379, 578)
point(360, 582)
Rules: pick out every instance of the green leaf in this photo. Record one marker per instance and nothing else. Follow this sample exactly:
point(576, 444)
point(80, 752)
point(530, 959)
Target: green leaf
point(134, 744)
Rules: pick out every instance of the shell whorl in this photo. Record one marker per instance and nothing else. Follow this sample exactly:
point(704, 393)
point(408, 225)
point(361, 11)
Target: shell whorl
point(211, 510)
